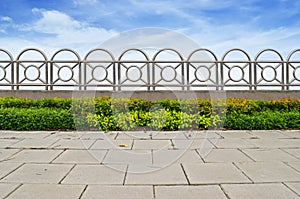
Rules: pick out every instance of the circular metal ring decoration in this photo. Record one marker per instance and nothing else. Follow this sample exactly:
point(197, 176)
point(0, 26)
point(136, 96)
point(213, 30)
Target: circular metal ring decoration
point(266, 73)
point(236, 70)
point(99, 73)
point(32, 73)
point(133, 70)
point(168, 73)
point(202, 73)
point(296, 73)
point(65, 73)
point(2, 73)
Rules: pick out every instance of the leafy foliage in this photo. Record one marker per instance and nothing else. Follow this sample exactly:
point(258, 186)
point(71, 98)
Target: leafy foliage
point(108, 113)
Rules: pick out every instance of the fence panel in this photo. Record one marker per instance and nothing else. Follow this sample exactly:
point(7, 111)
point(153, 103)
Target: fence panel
point(168, 69)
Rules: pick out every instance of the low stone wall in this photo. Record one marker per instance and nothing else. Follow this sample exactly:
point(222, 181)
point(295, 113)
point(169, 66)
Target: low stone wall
point(153, 95)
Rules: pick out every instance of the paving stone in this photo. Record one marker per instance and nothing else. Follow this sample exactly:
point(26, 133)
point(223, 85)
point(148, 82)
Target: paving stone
point(4, 143)
point(139, 175)
point(112, 144)
point(34, 143)
point(250, 191)
point(96, 174)
point(236, 134)
point(96, 135)
point(226, 155)
point(294, 152)
point(128, 157)
point(190, 192)
point(6, 168)
point(64, 135)
point(35, 156)
point(81, 157)
point(6, 189)
point(295, 165)
point(275, 143)
point(6, 153)
point(189, 156)
point(25, 134)
point(271, 134)
point(167, 157)
point(38, 173)
point(47, 191)
point(295, 186)
point(176, 135)
point(72, 144)
point(292, 133)
point(192, 144)
point(134, 135)
point(269, 171)
point(117, 192)
point(214, 173)
point(152, 144)
point(202, 134)
point(269, 155)
point(232, 143)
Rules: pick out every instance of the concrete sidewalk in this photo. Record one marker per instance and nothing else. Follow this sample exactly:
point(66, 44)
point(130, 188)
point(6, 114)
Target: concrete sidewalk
point(203, 164)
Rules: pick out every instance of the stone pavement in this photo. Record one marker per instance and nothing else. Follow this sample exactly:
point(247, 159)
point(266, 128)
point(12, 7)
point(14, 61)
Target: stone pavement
point(203, 164)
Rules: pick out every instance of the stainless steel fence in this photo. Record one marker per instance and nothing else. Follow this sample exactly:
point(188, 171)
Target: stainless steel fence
point(133, 69)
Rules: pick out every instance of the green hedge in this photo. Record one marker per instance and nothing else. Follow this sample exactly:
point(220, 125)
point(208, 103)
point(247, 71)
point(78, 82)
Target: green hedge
point(35, 119)
point(106, 113)
point(11, 102)
point(265, 120)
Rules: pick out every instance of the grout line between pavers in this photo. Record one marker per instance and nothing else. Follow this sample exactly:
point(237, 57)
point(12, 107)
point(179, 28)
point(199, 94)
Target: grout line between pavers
point(67, 173)
point(123, 183)
point(115, 137)
point(93, 144)
point(15, 189)
point(88, 148)
point(107, 151)
point(153, 191)
point(47, 136)
point(57, 156)
point(287, 164)
point(172, 144)
point(11, 156)
point(10, 146)
point(52, 146)
point(214, 144)
point(243, 172)
point(290, 189)
point(210, 184)
point(12, 171)
point(289, 153)
point(132, 143)
point(198, 153)
point(246, 154)
point(223, 190)
point(185, 174)
point(83, 191)
point(152, 156)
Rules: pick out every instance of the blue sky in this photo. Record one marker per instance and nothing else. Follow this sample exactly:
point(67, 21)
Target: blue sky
point(82, 25)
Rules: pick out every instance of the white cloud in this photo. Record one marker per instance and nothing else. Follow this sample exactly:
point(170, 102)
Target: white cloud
point(53, 22)
point(85, 2)
point(6, 19)
point(65, 32)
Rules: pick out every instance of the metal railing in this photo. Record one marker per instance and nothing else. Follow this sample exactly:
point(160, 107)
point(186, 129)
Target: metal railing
point(100, 70)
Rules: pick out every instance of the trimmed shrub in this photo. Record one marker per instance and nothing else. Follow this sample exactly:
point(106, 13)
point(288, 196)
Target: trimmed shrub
point(265, 120)
point(108, 113)
point(35, 119)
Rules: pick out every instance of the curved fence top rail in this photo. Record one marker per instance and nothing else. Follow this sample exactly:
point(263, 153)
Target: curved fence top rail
point(140, 69)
